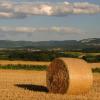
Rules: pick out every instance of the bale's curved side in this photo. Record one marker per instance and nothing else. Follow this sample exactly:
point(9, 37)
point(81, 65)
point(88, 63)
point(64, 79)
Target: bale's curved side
point(69, 75)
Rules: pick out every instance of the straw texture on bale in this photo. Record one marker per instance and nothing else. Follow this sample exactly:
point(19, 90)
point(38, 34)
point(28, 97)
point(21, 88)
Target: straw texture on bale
point(69, 75)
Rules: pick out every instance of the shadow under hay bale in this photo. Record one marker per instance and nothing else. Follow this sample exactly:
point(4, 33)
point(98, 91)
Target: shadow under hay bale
point(69, 75)
point(31, 87)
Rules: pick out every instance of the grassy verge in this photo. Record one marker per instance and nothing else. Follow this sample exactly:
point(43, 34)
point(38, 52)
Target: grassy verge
point(35, 67)
point(25, 67)
point(96, 70)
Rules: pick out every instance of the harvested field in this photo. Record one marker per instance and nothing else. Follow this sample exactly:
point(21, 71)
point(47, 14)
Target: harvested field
point(7, 62)
point(31, 85)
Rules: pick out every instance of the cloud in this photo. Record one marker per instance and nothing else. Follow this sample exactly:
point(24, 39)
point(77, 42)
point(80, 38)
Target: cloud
point(12, 9)
point(61, 30)
point(6, 15)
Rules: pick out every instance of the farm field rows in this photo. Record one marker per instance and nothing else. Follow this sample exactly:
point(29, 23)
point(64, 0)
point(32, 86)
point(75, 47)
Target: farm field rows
point(31, 85)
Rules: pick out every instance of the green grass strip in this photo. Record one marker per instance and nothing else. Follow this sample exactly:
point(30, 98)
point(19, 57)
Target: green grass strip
point(25, 67)
point(96, 70)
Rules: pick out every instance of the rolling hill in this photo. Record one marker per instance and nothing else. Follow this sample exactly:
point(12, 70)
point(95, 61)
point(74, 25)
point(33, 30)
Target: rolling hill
point(65, 44)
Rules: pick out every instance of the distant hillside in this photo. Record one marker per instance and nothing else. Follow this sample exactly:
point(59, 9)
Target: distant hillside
point(66, 44)
point(91, 41)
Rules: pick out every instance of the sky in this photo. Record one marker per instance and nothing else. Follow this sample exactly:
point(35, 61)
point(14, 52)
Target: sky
point(45, 20)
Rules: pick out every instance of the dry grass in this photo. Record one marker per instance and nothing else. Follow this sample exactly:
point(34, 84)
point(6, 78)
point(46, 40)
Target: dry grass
point(30, 85)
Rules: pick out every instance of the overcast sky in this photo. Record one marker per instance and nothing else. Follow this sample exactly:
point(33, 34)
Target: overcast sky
point(43, 20)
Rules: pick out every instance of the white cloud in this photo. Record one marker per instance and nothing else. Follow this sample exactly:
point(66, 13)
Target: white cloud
point(12, 9)
point(6, 15)
point(65, 30)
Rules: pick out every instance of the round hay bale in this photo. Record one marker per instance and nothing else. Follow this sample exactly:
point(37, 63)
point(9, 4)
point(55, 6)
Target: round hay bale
point(69, 75)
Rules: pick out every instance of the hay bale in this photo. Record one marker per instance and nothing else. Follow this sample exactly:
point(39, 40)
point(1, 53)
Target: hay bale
point(69, 75)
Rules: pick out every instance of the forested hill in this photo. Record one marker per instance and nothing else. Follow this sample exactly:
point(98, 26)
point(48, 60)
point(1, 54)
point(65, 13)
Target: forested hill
point(66, 44)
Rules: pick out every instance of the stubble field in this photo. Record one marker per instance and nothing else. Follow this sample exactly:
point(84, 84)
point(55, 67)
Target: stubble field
point(16, 62)
point(31, 85)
